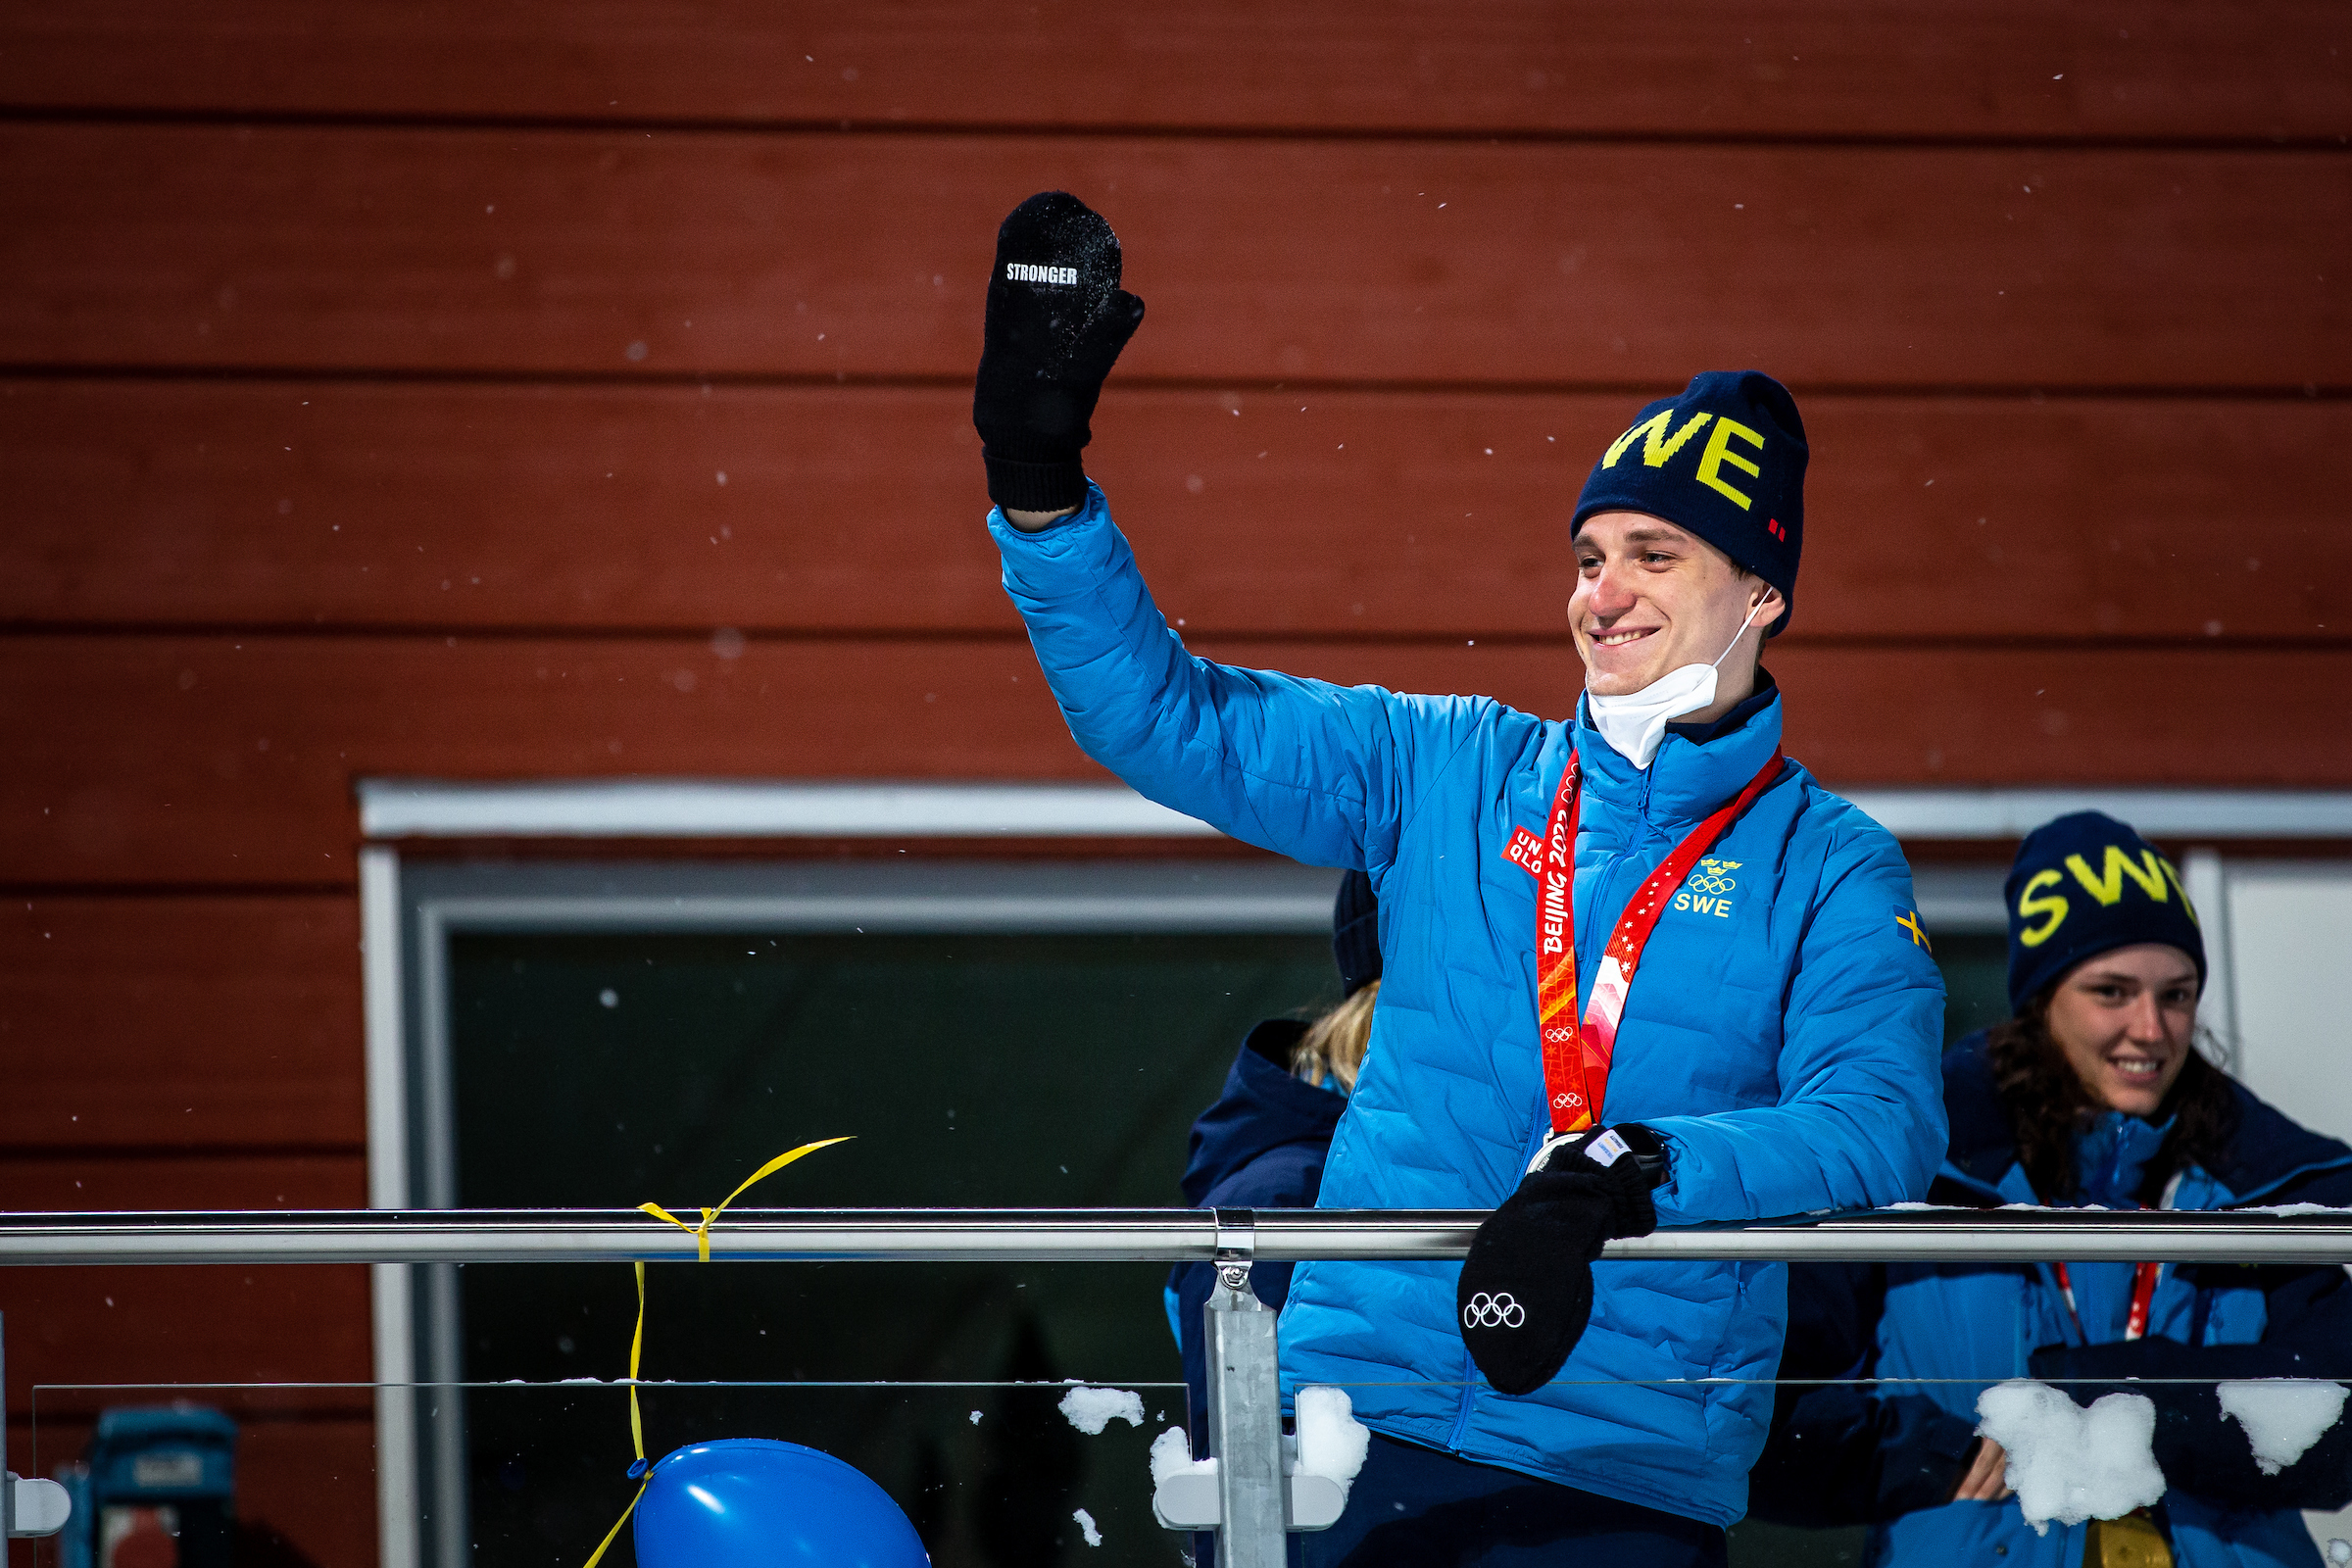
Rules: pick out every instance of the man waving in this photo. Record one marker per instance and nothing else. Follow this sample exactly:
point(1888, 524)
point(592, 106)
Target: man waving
point(1639, 968)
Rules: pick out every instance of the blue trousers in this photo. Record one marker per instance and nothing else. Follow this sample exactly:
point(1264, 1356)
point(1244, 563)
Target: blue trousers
point(1415, 1507)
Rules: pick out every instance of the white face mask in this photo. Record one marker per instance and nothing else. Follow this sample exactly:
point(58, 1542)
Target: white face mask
point(1634, 723)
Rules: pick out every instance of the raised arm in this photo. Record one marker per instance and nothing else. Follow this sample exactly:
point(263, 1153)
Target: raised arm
point(1323, 773)
point(1319, 772)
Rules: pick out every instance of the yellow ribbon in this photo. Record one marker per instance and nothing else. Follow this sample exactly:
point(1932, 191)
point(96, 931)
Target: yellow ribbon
point(603, 1545)
point(636, 1349)
point(636, 1428)
point(702, 1231)
point(702, 1241)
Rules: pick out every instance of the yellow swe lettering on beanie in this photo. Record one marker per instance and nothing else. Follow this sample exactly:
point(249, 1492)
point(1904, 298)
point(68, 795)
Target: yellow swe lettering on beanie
point(1719, 452)
point(2108, 886)
point(2030, 905)
point(1657, 445)
point(2173, 876)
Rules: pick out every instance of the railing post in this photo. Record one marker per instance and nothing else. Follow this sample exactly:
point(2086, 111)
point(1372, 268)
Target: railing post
point(1244, 1405)
point(29, 1506)
point(8, 1478)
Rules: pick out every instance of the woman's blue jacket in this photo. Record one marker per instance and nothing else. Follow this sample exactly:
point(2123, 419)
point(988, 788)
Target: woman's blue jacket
point(1890, 1454)
point(1781, 1036)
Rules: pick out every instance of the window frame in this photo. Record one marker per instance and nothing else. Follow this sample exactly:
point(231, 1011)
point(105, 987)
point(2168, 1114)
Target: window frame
point(416, 889)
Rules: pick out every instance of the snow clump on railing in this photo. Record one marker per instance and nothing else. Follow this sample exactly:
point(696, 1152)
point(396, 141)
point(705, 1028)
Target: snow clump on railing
point(1332, 1442)
point(2282, 1416)
point(1172, 1455)
point(2070, 1464)
point(1090, 1411)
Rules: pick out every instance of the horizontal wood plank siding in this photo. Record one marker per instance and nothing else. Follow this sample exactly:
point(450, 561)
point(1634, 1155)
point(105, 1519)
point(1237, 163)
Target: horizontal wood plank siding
point(613, 253)
point(204, 1323)
point(209, 1180)
point(2011, 69)
point(149, 781)
point(180, 1023)
point(548, 390)
point(428, 507)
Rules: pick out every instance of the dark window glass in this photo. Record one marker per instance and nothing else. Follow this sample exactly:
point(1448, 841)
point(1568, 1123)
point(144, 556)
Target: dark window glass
point(1976, 980)
point(1058, 1070)
point(985, 1070)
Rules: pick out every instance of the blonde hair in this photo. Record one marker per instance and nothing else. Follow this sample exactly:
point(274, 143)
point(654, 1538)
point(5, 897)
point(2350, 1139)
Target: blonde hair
point(1333, 1046)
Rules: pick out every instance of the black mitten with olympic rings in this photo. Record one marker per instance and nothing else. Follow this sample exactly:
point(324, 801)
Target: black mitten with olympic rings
point(1526, 1290)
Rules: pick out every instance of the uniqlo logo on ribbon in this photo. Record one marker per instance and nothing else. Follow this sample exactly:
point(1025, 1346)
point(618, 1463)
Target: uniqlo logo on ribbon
point(1525, 851)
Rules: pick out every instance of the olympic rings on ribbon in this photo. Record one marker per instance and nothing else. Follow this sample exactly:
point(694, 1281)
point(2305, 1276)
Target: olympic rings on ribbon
point(1496, 1311)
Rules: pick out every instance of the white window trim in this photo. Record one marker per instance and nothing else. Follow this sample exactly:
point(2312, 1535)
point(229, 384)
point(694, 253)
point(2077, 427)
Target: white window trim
point(739, 809)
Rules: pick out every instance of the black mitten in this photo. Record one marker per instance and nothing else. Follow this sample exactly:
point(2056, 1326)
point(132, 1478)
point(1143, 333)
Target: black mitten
point(1525, 1289)
point(1056, 320)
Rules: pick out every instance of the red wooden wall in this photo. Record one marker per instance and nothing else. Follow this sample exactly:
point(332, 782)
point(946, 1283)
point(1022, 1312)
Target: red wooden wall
point(416, 388)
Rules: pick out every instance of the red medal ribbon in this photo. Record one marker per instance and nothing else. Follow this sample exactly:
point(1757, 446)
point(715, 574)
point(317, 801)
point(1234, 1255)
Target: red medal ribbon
point(2143, 1294)
point(1577, 1053)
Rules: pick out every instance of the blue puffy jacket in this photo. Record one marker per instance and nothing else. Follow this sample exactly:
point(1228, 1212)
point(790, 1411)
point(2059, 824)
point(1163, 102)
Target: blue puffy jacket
point(1780, 1036)
point(1890, 1454)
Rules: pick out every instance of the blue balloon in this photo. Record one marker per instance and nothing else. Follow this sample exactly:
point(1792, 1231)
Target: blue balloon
point(751, 1502)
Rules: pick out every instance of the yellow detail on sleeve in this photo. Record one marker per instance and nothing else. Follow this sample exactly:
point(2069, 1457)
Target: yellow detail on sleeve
point(2028, 907)
point(1719, 453)
point(1909, 921)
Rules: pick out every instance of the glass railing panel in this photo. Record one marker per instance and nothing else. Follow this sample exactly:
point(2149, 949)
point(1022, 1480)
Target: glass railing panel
point(991, 1469)
point(986, 1471)
point(1939, 1469)
point(993, 1472)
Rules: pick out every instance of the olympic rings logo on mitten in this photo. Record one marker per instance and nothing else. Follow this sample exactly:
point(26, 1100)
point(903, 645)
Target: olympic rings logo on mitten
point(1496, 1311)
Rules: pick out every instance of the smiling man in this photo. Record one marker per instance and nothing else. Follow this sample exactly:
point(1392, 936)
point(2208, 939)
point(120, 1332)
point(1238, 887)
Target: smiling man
point(1639, 968)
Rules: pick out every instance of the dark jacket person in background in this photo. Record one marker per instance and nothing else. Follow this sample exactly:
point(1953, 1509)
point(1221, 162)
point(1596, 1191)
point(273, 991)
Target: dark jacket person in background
point(1261, 1144)
point(2092, 1093)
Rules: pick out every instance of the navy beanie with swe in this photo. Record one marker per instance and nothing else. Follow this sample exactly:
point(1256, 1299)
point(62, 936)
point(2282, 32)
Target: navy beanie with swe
point(2083, 885)
point(1726, 459)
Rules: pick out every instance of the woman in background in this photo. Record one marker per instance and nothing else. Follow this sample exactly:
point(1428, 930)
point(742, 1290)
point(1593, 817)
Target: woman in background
point(2092, 1094)
point(1261, 1144)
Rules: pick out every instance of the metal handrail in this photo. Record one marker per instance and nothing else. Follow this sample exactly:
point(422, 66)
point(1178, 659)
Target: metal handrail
point(1139, 1235)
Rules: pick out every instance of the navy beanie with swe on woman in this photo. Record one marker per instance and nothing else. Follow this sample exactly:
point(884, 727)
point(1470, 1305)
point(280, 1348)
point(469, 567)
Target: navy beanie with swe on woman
point(2083, 885)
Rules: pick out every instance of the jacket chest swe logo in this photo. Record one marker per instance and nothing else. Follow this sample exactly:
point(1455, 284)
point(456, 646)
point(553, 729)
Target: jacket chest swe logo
point(1707, 890)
